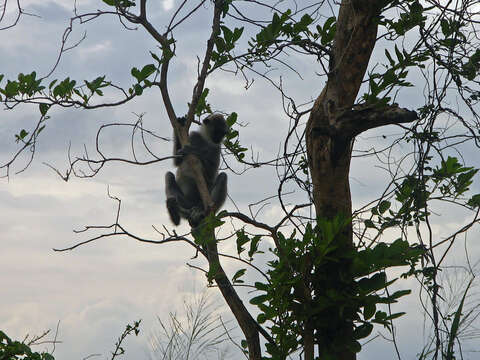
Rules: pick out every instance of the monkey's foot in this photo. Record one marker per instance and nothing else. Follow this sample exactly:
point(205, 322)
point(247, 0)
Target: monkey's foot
point(197, 214)
point(172, 208)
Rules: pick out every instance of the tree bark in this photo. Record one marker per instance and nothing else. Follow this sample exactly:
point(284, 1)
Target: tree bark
point(329, 147)
point(249, 326)
point(329, 154)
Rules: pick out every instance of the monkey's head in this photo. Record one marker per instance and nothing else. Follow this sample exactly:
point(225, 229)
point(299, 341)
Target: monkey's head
point(215, 127)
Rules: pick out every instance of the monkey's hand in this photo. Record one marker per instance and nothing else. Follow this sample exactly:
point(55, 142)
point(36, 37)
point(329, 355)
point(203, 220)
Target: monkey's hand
point(197, 214)
point(182, 120)
point(187, 150)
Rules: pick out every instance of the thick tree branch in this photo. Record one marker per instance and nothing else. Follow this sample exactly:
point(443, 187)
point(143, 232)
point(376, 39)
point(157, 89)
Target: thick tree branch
point(354, 41)
point(329, 153)
point(249, 326)
point(353, 122)
point(199, 86)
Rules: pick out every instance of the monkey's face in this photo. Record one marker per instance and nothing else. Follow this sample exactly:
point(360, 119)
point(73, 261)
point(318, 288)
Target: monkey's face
point(218, 134)
point(216, 126)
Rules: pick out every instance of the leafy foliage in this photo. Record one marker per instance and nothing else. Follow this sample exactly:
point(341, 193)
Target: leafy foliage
point(66, 92)
point(224, 45)
point(119, 3)
point(412, 16)
point(448, 181)
point(130, 329)
point(232, 140)
point(307, 283)
point(15, 350)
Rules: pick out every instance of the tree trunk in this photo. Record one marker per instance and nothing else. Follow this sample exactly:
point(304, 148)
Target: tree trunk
point(329, 150)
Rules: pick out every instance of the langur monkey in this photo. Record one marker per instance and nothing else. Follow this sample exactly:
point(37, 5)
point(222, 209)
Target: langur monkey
point(183, 197)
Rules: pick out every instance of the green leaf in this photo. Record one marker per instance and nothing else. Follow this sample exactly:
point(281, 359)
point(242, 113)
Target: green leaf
point(237, 33)
point(384, 206)
point(136, 73)
point(374, 283)
point(138, 89)
point(109, 2)
point(238, 275)
point(261, 286)
point(474, 201)
point(464, 181)
point(444, 25)
point(203, 233)
point(148, 70)
point(328, 30)
point(400, 293)
point(253, 246)
point(380, 315)
point(155, 57)
point(11, 89)
point(394, 316)
point(202, 103)
point(369, 311)
point(261, 318)
point(399, 55)
point(43, 108)
point(362, 331)
point(232, 119)
point(23, 134)
point(52, 84)
point(242, 239)
point(389, 57)
point(227, 33)
point(369, 224)
point(260, 299)
point(328, 24)
point(456, 324)
point(220, 45)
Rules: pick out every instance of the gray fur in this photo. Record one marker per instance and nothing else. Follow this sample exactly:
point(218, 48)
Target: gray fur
point(183, 197)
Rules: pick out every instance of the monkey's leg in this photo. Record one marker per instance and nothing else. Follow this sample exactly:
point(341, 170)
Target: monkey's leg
point(219, 191)
point(173, 192)
point(218, 194)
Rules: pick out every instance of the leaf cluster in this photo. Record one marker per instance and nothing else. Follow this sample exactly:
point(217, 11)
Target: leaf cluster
point(130, 329)
point(142, 76)
point(120, 3)
point(411, 16)
point(224, 45)
point(284, 30)
point(15, 350)
point(381, 84)
point(450, 180)
point(309, 283)
point(232, 140)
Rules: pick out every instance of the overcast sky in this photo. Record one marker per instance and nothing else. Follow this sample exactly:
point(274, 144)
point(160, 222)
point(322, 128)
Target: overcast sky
point(95, 290)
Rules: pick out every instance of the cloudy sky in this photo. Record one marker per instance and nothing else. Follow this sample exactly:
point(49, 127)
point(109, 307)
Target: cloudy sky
point(95, 290)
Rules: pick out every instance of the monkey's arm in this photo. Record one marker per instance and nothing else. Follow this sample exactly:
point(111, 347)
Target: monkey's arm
point(176, 144)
